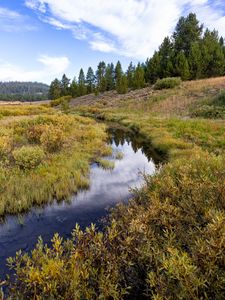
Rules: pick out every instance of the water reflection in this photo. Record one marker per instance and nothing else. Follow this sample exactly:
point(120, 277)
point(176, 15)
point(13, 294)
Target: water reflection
point(106, 189)
point(121, 135)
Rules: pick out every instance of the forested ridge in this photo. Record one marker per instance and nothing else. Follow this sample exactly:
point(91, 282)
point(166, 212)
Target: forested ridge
point(23, 91)
point(192, 52)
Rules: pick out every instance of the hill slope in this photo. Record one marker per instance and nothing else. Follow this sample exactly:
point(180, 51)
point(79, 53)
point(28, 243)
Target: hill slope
point(180, 101)
point(23, 91)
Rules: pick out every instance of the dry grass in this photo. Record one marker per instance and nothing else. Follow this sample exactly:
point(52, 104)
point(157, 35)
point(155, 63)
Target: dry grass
point(166, 103)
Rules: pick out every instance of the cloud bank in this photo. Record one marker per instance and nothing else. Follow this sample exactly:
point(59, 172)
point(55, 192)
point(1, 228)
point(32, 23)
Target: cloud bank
point(133, 28)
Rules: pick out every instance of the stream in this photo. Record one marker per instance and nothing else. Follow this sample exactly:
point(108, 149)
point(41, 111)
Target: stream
point(107, 188)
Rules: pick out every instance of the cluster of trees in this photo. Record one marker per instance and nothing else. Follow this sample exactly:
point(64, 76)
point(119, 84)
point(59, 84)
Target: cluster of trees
point(106, 78)
point(190, 53)
point(23, 91)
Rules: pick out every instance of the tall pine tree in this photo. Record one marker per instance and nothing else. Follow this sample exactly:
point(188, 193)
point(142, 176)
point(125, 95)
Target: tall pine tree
point(65, 82)
point(90, 80)
point(182, 67)
point(55, 90)
point(130, 75)
point(110, 77)
point(81, 83)
point(212, 51)
point(100, 76)
point(187, 31)
point(139, 77)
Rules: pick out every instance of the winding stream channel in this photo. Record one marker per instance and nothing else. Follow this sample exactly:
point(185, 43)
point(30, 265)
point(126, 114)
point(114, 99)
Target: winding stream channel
point(107, 188)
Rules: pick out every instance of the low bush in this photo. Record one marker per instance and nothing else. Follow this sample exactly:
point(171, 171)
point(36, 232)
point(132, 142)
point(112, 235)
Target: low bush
point(28, 157)
point(34, 133)
point(167, 83)
point(52, 138)
point(5, 147)
point(209, 112)
point(219, 100)
point(60, 101)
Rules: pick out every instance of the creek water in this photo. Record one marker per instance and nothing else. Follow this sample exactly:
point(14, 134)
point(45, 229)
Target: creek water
point(107, 188)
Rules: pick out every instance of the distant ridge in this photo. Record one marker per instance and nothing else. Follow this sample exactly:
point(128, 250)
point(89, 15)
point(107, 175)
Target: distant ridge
point(23, 91)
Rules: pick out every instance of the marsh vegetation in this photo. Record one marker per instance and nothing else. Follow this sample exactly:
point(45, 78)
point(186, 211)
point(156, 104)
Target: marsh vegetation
point(45, 156)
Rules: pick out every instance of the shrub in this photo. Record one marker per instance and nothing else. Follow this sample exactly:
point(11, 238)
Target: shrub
point(167, 243)
point(34, 133)
point(167, 83)
point(28, 157)
point(219, 100)
point(60, 101)
point(52, 138)
point(209, 112)
point(5, 147)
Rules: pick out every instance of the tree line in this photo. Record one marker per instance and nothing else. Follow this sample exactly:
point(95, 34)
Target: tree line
point(190, 53)
point(106, 78)
point(23, 91)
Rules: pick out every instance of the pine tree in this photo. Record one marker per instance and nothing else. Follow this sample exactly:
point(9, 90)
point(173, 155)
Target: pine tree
point(118, 75)
point(182, 67)
point(213, 54)
point(187, 31)
point(195, 61)
point(100, 76)
point(110, 77)
point(122, 86)
point(90, 80)
point(74, 89)
point(139, 77)
point(153, 68)
point(166, 57)
point(65, 82)
point(130, 75)
point(81, 83)
point(55, 89)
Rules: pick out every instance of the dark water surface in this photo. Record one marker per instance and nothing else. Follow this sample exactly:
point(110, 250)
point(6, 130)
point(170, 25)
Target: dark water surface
point(107, 188)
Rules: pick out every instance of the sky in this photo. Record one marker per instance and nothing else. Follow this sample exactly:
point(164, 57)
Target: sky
point(43, 39)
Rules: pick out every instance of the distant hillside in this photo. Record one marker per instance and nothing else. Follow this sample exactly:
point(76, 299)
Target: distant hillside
point(23, 91)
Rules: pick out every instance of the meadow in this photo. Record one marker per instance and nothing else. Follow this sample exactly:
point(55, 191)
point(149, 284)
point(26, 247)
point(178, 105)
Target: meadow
point(44, 155)
point(169, 241)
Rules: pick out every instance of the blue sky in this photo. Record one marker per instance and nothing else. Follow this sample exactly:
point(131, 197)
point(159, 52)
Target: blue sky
point(42, 39)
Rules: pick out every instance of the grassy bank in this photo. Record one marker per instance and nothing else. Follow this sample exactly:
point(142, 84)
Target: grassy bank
point(169, 241)
point(45, 155)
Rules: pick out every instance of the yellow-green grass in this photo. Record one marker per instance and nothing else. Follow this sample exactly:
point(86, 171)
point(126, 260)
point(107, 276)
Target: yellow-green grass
point(46, 157)
point(165, 117)
point(24, 110)
point(105, 164)
point(171, 135)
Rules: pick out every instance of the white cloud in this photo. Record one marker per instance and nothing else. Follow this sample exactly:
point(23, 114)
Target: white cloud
point(99, 43)
point(33, 4)
point(51, 67)
point(12, 21)
point(132, 28)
